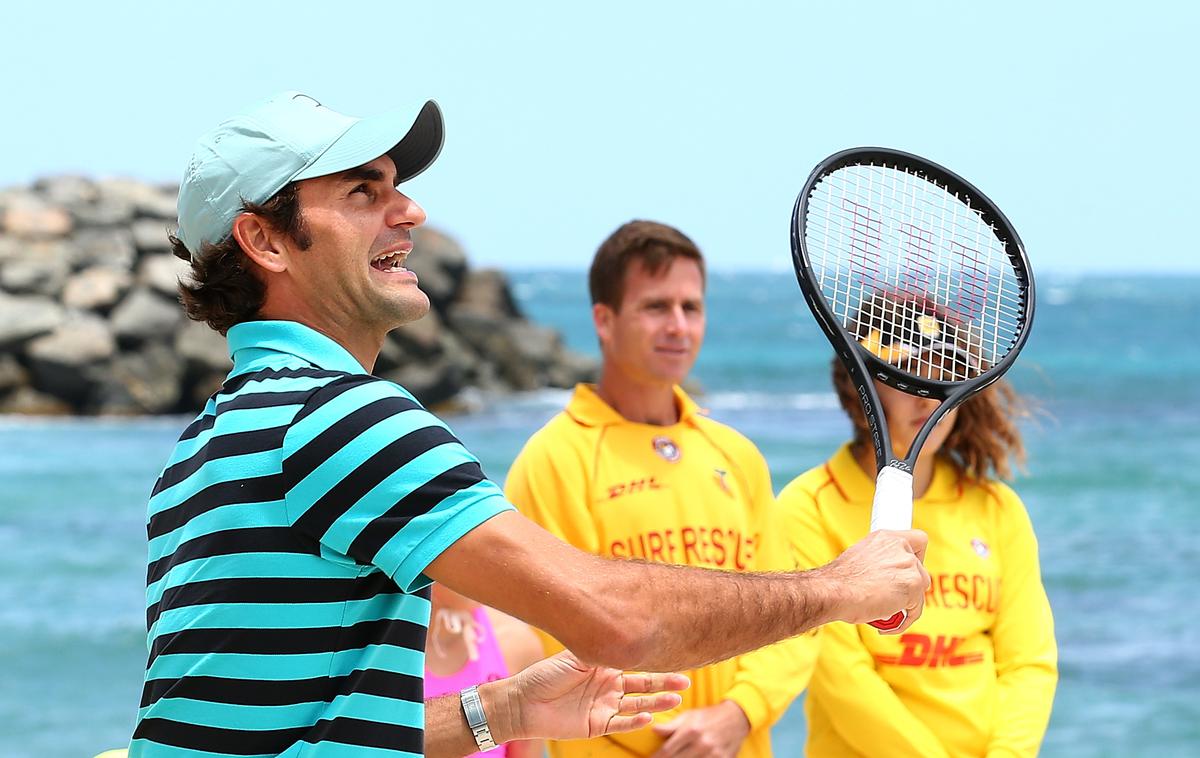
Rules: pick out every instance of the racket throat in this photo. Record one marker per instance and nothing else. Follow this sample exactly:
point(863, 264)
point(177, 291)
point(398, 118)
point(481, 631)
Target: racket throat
point(893, 504)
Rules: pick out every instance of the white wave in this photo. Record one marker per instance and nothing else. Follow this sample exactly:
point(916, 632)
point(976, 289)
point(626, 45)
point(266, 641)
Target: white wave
point(17, 421)
point(753, 401)
point(1058, 296)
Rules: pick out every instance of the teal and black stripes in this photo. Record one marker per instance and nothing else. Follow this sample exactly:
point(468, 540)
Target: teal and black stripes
point(285, 606)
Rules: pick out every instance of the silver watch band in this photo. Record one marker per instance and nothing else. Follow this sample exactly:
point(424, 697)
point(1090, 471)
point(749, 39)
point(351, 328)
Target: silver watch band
point(476, 719)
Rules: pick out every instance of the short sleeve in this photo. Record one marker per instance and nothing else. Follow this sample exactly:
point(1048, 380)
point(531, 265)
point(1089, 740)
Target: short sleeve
point(372, 475)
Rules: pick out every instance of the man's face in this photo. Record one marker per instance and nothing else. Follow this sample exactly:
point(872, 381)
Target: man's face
point(360, 226)
point(655, 335)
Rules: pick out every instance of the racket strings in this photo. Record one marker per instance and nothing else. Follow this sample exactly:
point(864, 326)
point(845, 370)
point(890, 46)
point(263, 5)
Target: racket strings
point(913, 271)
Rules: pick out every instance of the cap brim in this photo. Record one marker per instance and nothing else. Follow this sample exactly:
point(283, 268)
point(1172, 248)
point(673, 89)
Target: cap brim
point(411, 144)
point(949, 348)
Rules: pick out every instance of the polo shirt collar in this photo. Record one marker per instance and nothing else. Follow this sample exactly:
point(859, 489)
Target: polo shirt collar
point(255, 340)
point(857, 485)
point(587, 408)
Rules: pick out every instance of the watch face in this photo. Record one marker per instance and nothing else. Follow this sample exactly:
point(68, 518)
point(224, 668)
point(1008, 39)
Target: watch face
point(476, 718)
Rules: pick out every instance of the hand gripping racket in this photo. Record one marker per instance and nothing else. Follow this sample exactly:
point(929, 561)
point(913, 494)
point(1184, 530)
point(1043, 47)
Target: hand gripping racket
point(919, 281)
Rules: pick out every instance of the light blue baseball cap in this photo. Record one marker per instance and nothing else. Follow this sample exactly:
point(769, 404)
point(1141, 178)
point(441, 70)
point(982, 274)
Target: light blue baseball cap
point(287, 138)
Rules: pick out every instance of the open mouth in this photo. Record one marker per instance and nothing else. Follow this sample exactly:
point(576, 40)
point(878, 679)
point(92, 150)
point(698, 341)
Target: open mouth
point(390, 262)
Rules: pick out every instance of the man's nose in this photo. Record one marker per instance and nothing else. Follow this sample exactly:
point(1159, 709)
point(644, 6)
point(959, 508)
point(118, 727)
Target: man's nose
point(678, 319)
point(404, 212)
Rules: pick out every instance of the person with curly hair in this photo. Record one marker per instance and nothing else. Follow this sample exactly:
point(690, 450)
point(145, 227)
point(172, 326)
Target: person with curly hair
point(976, 675)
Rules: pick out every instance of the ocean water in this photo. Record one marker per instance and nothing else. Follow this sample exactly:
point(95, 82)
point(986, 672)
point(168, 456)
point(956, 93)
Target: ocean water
point(1111, 485)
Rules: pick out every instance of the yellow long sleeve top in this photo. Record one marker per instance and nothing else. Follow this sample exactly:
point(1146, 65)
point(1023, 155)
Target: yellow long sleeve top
point(975, 676)
point(695, 493)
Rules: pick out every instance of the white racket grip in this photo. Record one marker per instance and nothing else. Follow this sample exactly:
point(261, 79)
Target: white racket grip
point(892, 509)
point(893, 504)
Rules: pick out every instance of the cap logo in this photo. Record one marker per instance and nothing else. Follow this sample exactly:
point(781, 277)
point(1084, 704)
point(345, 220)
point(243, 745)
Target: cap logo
point(666, 449)
point(929, 327)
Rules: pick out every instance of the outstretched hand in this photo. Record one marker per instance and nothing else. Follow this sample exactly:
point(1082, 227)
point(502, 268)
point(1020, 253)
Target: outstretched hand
point(562, 698)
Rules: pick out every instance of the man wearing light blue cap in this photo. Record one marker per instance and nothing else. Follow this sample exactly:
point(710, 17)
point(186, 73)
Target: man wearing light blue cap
point(295, 529)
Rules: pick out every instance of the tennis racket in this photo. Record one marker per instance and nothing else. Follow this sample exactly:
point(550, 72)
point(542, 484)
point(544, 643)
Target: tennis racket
point(919, 281)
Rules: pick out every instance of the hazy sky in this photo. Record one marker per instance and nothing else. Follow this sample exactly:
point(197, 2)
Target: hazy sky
point(566, 119)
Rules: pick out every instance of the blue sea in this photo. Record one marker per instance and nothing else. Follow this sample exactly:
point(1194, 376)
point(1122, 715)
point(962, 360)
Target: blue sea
point(1111, 485)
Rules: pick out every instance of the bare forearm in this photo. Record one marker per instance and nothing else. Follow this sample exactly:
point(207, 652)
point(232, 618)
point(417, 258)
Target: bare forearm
point(446, 731)
point(637, 615)
point(696, 616)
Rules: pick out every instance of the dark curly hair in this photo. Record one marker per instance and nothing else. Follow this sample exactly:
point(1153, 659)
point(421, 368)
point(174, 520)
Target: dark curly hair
point(223, 288)
point(985, 437)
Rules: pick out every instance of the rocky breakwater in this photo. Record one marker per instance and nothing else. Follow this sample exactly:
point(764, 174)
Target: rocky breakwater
point(90, 321)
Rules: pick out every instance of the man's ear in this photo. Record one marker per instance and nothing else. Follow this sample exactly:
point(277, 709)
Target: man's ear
point(602, 318)
point(259, 242)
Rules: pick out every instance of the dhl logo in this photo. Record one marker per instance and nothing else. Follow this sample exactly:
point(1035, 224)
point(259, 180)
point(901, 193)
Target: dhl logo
point(629, 488)
point(923, 650)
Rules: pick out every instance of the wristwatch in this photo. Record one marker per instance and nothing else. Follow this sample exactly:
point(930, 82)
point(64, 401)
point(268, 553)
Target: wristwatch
point(476, 719)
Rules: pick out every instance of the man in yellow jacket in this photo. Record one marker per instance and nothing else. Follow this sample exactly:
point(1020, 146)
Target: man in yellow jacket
point(633, 469)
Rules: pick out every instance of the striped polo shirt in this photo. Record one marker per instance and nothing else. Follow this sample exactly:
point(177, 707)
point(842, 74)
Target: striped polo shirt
point(288, 532)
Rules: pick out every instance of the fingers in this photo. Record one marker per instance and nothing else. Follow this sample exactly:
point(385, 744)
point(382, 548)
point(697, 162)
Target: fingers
point(662, 701)
point(656, 682)
point(917, 541)
point(663, 730)
point(618, 724)
point(676, 744)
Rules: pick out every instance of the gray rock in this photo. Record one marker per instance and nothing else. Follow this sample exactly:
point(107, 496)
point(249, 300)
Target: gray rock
point(539, 345)
point(65, 362)
point(486, 292)
point(432, 383)
point(74, 250)
point(497, 344)
point(146, 201)
point(27, 401)
point(97, 288)
point(23, 317)
point(39, 268)
point(150, 235)
point(204, 350)
point(10, 247)
point(105, 247)
point(67, 191)
point(392, 356)
point(421, 338)
point(148, 381)
point(142, 315)
point(439, 263)
point(10, 195)
point(33, 218)
point(570, 369)
point(161, 272)
point(105, 212)
point(202, 388)
point(12, 374)
point(160, 204)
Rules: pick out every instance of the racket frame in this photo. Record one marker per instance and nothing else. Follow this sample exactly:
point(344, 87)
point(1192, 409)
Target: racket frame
point(894, 488)
point(862, 364)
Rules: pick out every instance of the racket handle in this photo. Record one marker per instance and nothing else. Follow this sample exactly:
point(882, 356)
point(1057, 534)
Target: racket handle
point(892, 509)
point(893, 504)
point(890, 624)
